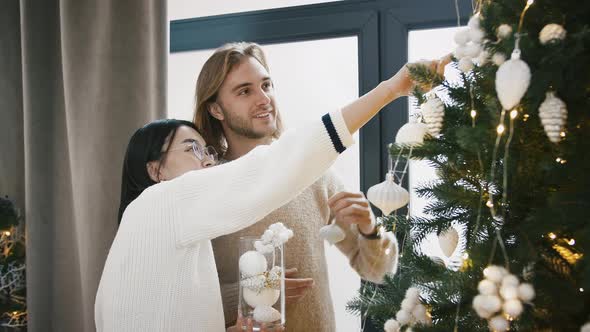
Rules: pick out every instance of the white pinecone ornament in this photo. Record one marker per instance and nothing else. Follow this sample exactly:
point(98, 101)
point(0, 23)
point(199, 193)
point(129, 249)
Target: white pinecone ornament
point(433, 112)
point(553, 114)
point(552, 33)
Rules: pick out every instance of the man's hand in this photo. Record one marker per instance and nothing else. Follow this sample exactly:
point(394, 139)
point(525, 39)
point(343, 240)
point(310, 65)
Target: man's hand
point(296, 288)
point(352, 208)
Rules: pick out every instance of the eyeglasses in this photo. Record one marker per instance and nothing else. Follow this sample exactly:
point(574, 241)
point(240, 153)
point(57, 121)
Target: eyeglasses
point(208, 152)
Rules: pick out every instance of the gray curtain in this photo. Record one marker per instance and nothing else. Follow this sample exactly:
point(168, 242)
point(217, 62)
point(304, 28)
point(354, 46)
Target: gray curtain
point(76, 79)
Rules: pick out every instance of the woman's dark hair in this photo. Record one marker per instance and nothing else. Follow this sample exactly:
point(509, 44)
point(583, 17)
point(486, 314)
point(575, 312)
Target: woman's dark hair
point(144, 146)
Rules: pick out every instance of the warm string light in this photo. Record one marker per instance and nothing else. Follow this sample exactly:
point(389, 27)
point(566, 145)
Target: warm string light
point(529, 3)
point(525, 117)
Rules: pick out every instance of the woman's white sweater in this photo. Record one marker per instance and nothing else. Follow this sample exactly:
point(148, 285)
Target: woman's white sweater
point(160, 273)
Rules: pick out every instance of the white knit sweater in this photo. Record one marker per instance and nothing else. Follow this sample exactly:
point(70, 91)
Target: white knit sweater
point(160, 274)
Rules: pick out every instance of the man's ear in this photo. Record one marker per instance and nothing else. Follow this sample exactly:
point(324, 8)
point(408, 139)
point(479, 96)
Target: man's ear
point(215, 111)
point(153, 169)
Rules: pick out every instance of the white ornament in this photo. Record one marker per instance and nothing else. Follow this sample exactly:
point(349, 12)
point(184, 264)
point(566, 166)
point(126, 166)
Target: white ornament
point(263, 248)
point(512, 308)
point(408, 304)
point(448, 241)
point(483, 58)
point(552, 33)
point(510, 280)
point(391, 326)
point(387, 195)
point(476, 35)
point(553, 114)
point(462, 37)
point(266, 314)
point(460, 52)
point(472, 50)
point(493, 273)
point(478, 306)
point(433, 112)
point(264, 297)
point(419, 313)
point(332, 233)
point(498, 59)
point(255, 283)
point(512, 81)
point(526, 292)
point(499, 324)
point(252, 263)
point(465, 65)
point(487, 287)
point(273, 280)
point(509, 292)
point(403, 317)
point(413, 294)
point(504, 31)
point(474, 21)
point(585, 327)
point(412, 133)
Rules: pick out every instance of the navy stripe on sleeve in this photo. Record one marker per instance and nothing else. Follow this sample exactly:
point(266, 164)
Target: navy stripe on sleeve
point(327, 120)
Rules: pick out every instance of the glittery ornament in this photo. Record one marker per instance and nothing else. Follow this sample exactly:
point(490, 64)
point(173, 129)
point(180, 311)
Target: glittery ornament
point(552, 33)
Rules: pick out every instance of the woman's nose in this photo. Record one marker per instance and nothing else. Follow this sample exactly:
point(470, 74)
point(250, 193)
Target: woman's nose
point(207, 163)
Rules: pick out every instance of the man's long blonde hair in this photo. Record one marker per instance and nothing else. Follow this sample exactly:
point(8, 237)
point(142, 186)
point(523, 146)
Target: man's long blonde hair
point(210, 79)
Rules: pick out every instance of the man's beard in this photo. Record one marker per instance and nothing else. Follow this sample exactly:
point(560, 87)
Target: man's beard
point(244, 128)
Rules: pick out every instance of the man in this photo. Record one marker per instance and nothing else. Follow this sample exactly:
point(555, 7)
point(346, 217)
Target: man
point(235, 112)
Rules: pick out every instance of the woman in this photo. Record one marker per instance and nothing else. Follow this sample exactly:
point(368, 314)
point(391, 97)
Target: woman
point(160, 273)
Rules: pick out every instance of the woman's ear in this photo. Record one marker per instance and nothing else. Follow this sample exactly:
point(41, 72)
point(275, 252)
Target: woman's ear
point(153, 169)
point(215, 111)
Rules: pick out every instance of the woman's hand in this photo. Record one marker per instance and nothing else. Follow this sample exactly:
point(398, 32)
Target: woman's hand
point(404, 84)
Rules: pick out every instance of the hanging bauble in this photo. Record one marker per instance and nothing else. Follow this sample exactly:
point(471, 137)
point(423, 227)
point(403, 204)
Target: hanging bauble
point(266, 314)
point(263, 297)
point(388, 195)
point(553, 114)
point(412, 133)
point(552, 33)
point(512, 81)
point(332, 233)
point(504, 31)
point(252, 263)
point(433, 112)
point(448, 241)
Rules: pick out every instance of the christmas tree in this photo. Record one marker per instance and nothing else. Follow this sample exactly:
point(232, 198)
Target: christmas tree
point(13, 315)
point(510, 146)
